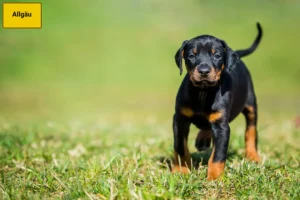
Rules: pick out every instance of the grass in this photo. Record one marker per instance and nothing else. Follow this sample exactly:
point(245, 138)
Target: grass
point(129, 160)
point(86, 101)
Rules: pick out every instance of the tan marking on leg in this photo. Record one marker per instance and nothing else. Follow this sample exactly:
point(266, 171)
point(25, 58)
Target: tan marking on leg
point(213, 117)
point(180, 169)
point(250, 137)
point(188, 112)
point(182, 164)
point(215, 169)
point(250, 114)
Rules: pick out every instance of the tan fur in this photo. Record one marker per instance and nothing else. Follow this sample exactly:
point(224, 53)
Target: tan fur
point(215, 169)
point(213, 76)
point(250, 136)
point(188, 112)
point(251, 114)
point(194, 50)
point(182, 164)
point(213, 117)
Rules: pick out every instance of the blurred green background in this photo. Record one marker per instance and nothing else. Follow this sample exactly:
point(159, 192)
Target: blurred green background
point(116, 58)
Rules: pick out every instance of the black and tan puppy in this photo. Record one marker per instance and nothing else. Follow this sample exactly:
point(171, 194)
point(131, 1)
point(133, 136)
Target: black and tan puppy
point(215, 90)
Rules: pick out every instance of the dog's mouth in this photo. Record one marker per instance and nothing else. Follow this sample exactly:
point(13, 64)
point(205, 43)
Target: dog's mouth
point(204, 83)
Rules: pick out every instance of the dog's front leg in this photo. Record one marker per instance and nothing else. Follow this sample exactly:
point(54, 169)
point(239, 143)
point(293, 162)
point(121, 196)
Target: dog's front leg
point(181, 128)
point(220, 134)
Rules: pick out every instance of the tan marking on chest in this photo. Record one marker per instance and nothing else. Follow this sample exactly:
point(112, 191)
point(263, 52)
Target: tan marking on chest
point(213, 117)
point(188, 112)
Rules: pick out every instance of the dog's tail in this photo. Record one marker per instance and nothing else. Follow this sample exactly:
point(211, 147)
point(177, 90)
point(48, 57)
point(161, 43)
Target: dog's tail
point(248, 51)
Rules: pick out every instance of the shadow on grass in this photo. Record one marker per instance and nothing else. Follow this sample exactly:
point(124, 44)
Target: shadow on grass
point(199, 158)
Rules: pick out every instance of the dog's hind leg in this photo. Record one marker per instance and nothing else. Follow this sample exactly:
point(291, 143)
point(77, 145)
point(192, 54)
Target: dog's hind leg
point(203, 140)
point(250, 113)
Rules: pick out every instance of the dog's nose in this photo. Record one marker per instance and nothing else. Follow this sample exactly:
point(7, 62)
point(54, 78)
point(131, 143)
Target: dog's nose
point(204, 70)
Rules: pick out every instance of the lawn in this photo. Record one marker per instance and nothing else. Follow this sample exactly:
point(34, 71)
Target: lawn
point(86, 102)
point(128, 159)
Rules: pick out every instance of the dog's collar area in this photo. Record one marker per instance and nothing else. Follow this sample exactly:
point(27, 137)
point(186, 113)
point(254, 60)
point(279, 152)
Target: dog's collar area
point(202, 98)
point(202, 95)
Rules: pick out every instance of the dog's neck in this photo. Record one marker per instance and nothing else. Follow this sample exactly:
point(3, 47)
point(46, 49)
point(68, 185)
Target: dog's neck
point(202, 98)
point(203, 95)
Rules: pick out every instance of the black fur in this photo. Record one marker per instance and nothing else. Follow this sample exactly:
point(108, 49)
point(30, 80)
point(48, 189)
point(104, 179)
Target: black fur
point(204, 95)
point(178, 56)
point(248, 51)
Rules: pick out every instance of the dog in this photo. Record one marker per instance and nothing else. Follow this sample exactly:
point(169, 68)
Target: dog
point(215, 90)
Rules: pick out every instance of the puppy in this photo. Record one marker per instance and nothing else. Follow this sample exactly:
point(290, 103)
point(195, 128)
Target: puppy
point(215, 90)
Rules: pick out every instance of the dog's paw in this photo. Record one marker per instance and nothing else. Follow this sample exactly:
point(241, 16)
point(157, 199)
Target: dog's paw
point(252, 156)
point(180, 169)
point(202, 143)
point(203, 140)
point(215, 170)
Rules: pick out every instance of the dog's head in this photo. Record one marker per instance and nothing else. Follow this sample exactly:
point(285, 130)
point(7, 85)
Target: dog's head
point(206, 58)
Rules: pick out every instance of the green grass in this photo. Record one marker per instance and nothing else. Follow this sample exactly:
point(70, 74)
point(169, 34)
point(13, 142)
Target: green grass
point(86, 101)
point(124, 160)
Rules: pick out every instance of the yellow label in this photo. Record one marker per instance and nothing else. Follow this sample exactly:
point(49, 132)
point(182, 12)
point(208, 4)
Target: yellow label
point(22, 15)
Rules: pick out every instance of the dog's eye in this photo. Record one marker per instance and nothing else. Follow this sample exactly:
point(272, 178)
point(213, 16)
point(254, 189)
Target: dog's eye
point(217, 56)
point(191, 56)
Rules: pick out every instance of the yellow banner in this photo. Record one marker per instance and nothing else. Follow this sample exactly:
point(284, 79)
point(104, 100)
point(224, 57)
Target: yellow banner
point(22, 15)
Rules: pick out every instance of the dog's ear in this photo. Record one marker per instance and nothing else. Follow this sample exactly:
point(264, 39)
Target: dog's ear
point(231, 58)
point(179, 55)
